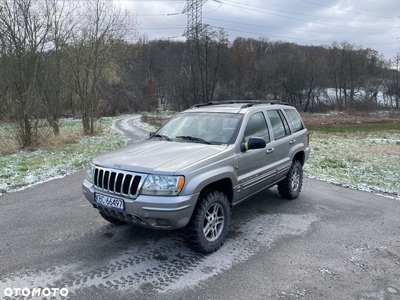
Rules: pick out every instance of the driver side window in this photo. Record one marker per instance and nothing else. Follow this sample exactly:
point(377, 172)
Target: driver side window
point(257, 127)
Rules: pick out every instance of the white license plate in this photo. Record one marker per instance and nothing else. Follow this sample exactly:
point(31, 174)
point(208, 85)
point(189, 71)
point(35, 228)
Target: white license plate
point(110, 202)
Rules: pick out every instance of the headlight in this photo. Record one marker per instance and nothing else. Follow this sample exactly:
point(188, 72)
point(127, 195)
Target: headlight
point(163, 185)
point(90, 172)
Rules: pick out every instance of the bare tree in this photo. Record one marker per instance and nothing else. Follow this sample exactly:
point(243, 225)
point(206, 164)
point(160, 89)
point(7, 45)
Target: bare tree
point(242, 59)
point(90, 56)
point(314, 76)
point(150, 94)
point(53, 84)
point(24, 33)
point(214, 44)
point(336, 64)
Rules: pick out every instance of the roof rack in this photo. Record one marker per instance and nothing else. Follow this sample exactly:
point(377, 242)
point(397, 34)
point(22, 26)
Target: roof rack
point(246, 103)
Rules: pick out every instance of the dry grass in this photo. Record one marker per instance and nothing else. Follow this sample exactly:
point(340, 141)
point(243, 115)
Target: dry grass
point(8, 143)
point(44, 138)
point(8, 147)
point(71, 132)
point(54, 142)
point(351, 117)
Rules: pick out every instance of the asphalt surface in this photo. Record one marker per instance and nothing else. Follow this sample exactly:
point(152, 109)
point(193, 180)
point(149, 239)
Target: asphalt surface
point(127, 127)
point(330, 243)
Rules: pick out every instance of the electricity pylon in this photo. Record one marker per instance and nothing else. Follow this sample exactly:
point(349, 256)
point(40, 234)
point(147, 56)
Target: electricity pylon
point(193, 33)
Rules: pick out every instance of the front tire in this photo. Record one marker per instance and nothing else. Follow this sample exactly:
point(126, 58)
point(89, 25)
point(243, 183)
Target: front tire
point(209, 225)
point(290, 187)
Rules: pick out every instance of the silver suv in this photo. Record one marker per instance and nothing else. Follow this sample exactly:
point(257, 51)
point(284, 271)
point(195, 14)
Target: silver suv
point(198, 165)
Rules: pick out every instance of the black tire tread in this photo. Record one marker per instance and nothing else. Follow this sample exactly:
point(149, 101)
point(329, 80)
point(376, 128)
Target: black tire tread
point(192, 236)
point(285, 186)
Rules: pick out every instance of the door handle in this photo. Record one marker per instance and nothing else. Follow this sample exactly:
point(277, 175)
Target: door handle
point(270, 150)
point(292, 142)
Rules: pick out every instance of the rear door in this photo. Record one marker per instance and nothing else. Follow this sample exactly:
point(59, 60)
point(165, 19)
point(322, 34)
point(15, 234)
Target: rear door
point(281, 143)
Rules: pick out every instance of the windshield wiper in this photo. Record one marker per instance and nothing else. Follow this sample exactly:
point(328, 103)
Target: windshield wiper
point(193, 139)
point(161, 136)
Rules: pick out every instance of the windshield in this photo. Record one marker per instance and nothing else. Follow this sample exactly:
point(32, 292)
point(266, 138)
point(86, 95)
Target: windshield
point(214, 128)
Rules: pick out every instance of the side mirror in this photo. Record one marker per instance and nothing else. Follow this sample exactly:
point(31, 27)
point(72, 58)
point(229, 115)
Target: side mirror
point(253, 143)
point(151, 134)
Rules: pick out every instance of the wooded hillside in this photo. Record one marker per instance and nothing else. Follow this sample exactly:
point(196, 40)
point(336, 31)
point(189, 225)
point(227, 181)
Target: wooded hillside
point(83, 59)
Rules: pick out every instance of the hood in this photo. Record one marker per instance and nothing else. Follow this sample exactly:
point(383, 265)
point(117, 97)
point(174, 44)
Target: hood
point(153, 155)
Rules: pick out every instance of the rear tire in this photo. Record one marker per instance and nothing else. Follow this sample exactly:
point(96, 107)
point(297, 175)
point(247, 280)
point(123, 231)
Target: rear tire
point(112, 220)
point(209, 225)
point(290, 187)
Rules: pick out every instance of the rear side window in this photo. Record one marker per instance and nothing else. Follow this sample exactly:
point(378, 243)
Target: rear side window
point(294, 119)
point(279, 124)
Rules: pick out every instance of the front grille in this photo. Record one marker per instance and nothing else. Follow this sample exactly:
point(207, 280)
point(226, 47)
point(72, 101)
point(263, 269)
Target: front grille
point(118, 182)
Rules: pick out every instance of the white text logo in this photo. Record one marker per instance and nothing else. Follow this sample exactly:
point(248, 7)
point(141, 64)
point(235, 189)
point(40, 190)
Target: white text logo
point(46, 292)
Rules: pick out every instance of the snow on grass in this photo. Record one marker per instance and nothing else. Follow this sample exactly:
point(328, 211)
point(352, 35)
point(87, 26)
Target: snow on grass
point(24, 169)
point(363, 162)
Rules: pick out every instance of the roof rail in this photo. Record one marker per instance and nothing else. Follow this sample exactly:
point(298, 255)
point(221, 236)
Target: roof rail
point(213, 103)
point(246, 103)
point(257, 102)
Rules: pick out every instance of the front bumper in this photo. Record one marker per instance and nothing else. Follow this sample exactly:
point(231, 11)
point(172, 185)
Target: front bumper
point(149, 211)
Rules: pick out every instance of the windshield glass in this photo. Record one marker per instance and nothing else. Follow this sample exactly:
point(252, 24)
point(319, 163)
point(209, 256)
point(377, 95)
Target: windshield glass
point(215, 128)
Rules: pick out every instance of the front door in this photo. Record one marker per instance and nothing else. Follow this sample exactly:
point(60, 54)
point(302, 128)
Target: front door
point(255, 166)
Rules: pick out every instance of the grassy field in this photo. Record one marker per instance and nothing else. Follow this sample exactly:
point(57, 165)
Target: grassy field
point(66, 155)
point(363, 156)
point(360, 156)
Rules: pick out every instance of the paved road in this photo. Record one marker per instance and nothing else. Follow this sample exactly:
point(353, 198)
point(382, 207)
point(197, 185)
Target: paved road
point(330, 243)
point(127, 127)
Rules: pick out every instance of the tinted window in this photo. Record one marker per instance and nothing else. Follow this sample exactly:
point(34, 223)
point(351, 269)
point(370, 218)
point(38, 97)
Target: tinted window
point(294, 119)
point(285, 122)
point(279, 124)
point(257, 127)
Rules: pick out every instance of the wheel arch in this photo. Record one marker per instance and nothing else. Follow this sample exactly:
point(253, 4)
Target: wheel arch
point(220, 179)
point(223, 185)
point(300, 156)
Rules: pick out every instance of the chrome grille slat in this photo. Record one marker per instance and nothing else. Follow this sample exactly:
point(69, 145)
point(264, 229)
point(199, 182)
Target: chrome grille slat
point(115, 182)
point(130, 184)
point(109, 180)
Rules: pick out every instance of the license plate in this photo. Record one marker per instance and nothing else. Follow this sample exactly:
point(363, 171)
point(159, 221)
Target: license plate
point(110, 202)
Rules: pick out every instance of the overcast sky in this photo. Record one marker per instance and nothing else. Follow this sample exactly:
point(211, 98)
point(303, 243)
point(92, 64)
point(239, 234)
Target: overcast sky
point(366, 23)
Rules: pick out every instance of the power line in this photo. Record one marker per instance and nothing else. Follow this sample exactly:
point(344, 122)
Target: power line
point(160, 28)
point(344, 10)
point(165, 17)
point(281, 28)
point(301, 14)
point(293, 38)
point(307, 21)
point(236, 6)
